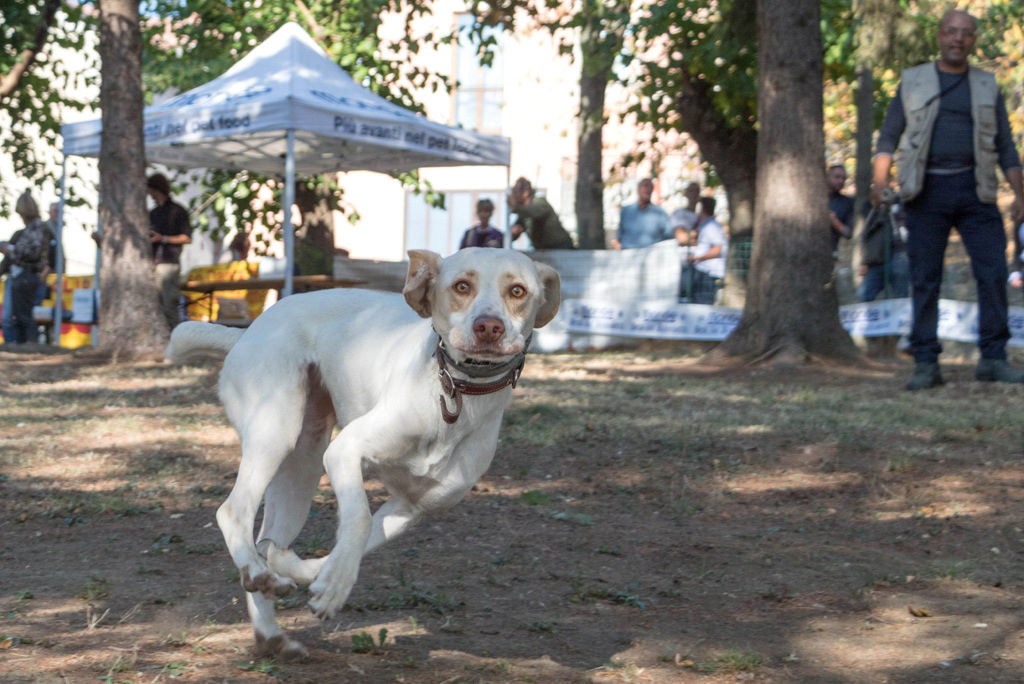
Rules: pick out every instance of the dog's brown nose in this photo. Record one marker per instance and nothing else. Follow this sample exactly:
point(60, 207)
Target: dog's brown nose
point(488, 329)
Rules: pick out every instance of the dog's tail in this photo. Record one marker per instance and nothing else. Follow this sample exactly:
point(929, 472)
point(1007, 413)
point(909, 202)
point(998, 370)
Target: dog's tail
point(193, 338)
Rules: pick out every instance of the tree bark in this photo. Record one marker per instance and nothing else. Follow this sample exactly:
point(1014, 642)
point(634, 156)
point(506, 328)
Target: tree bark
point(791, 310)
point(130, 320)
point(864, 99)
point(600, 42)
point(314, 240)
point(589, 176)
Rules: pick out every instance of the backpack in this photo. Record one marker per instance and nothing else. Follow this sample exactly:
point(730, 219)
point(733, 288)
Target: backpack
point(30, 249)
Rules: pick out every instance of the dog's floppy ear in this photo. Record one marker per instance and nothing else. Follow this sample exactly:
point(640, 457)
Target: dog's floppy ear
point(552, 294)
point(424, 267)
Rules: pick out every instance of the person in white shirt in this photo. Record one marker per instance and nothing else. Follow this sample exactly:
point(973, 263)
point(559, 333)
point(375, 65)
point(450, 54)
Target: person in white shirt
point(704, 261)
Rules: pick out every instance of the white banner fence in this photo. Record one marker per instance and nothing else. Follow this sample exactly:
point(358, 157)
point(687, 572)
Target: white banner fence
point(669, 320)
point(612, 298)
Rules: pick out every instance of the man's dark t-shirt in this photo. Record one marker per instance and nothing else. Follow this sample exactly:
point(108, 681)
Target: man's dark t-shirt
point(842, 206)
point(952, 141)
point(169, 218)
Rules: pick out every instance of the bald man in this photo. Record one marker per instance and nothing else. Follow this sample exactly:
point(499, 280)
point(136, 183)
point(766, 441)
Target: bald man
point(949, 120)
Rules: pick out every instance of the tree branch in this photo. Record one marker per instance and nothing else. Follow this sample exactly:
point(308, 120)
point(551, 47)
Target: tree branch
point(10, 82)
point(318, 31)
point(702, 122)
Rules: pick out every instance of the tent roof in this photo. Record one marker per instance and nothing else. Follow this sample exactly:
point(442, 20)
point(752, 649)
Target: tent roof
point(239, 120)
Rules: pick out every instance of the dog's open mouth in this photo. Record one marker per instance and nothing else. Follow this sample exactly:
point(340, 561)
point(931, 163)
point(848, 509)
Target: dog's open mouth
point(485, 360)
point(480, 363)
point(485, 364)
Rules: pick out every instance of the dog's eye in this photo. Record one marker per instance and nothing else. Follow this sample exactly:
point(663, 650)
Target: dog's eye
point(462, 287)
point(517, 291)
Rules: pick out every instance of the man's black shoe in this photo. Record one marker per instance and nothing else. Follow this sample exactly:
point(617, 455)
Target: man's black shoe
point(926, 376)
point(997, 370)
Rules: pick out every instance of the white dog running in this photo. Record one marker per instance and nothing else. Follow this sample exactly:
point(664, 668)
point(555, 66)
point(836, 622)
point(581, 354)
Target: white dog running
point(394, 383)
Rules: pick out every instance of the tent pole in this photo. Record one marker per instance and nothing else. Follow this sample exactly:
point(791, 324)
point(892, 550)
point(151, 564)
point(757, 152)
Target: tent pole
point(96, 280)
point(289, 230)
point(508, 210)
point(58, 303)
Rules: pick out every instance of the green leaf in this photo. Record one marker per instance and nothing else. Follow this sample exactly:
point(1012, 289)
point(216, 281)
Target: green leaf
point(575, 518)
point(535, 498)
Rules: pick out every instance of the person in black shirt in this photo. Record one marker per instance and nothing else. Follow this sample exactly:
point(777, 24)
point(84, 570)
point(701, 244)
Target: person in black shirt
point(169, 231)
point(840, 207)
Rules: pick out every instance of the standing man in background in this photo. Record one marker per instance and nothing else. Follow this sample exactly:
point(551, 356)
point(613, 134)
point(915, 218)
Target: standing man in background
point(643, 223)
point(840, 207)
point(704, 265)
point(950, 121)
point(169, 231)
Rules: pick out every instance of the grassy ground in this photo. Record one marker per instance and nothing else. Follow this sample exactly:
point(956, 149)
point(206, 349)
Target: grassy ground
point(646, 519)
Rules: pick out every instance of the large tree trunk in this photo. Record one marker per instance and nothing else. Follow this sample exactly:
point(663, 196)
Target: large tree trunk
point(873, 37)
point(791, 308)
point(314, 240)
point(131, 323)
point(864, 98)
point(740, 181)
point(601, 36)
point(589, 176)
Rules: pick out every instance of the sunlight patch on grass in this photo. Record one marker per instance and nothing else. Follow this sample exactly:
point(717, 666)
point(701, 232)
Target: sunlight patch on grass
point(754, 429)
point(761, 482)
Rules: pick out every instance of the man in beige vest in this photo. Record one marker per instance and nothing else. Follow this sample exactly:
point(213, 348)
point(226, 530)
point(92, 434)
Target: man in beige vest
point(950, 121)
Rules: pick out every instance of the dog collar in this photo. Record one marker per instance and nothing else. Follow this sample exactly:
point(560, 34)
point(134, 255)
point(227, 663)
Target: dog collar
point(454, 387)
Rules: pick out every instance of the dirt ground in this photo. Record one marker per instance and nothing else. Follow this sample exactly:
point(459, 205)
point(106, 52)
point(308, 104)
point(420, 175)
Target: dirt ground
point(646, 519)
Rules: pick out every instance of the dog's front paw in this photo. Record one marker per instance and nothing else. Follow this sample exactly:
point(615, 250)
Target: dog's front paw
point(265, 582)
point(328, 597)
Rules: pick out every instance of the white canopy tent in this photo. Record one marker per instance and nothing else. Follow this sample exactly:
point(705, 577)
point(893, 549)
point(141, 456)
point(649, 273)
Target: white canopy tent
point(284, 108)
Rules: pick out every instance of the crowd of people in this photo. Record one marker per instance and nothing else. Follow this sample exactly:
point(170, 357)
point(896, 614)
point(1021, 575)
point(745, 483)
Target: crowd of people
point(643, 223)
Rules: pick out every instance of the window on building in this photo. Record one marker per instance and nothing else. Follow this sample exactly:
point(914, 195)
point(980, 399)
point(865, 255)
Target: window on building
point(440, 230)
point(478, 93)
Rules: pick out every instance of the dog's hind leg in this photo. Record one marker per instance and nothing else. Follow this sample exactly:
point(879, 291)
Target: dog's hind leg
point(271, 641)
point(268, 434)
point(289, 495)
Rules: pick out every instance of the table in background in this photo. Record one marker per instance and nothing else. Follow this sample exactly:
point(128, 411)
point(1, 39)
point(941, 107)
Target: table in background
point(207, 288)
